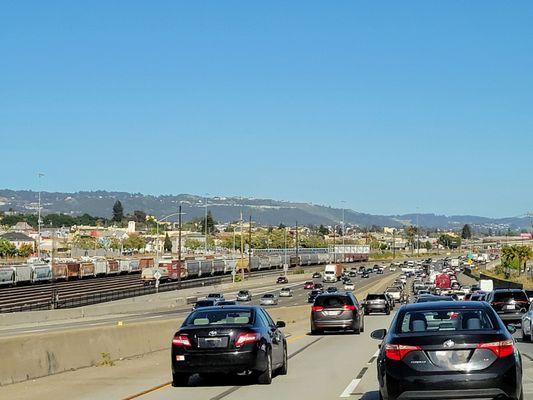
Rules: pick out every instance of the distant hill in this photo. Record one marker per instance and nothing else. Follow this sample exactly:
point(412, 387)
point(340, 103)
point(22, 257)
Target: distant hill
point(226, 209)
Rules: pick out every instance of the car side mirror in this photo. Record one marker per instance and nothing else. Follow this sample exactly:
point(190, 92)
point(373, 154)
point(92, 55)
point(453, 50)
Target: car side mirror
point(511, 329)
point(379, 334)
point(280, 324)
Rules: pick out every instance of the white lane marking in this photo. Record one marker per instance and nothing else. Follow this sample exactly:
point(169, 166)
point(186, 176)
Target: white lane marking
point(154, 316)
point(350, 388)
point(376, 353)
point(33, 330)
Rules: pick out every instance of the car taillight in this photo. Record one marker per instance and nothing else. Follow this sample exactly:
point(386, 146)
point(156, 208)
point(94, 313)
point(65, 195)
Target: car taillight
point(246, 338)
point(181, 340)
point(397, 352)
point(501, 349)
point(317, 308)
point(348, 307)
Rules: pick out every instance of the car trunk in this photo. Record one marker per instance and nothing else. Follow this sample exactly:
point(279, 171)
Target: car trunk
point(458, 352)
point(212, 338)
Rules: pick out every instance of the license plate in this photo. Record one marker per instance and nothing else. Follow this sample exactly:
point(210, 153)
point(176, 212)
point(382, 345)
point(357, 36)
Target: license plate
point(180, 358)
point(332, 312)
point(511, 307)
point(212, 343)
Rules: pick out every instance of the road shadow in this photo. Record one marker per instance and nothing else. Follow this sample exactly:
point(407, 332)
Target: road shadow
point(334, 333)
point(371, 395)
point(221, 380)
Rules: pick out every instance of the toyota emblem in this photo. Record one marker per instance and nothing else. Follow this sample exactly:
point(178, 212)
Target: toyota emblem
point(449, 344)
point(213, 333)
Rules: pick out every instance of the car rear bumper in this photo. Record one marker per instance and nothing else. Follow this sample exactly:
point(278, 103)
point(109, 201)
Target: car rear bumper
point(501, 380)
point(332, 324)
point(233, 362)
point(511, 317)
point(376, 307)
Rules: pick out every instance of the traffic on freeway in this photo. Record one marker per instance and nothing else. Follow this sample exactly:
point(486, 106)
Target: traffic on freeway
point(394, 336)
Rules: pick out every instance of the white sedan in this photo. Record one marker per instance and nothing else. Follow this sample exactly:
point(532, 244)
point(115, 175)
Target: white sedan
point(285, 292)
point(269, 299)
point(349, 286)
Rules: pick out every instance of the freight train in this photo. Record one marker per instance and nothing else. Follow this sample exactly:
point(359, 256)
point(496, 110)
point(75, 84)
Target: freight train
point(67, 270)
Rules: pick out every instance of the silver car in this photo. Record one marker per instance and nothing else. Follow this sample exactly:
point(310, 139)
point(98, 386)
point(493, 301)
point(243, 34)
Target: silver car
point(269, 299)
point(527, 325)
point(285, 292)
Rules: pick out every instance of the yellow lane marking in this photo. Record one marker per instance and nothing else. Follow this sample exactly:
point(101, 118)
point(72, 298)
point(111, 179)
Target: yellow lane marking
point(148, 391)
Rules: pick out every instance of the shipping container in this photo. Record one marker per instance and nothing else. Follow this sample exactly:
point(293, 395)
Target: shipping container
point(172, 267)
point(59, 272)
point(255, 264)
point(73, 270)
point(124, 266)
point(264, 263)
point(206, 268)
point(112, 267)
point(218, 266)
point(23, 274)
point(313, 259)
point(229, 265)
point(274, 261)
point(87, 270)
point(42, 273)
point(193, 268)
point(7, 276)
point(135, 266)
point(146, 262)
point(100, 266)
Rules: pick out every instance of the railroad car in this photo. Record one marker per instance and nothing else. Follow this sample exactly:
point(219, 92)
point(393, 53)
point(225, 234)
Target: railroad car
point(146, 262)
point(193, 268)
point(294, 261)
point(135, 266)
point(275, 262)
point(206, 268)
point(264, 263)
point(100, 266)
point(87, 270)
point(112, 267)
point(218, 266)
point(229, 265)
point(7, 276)
point(124, 266)
point(305, 259)
point(23, 274)
point(41, 273)
point(73, 270)
point(59, 272)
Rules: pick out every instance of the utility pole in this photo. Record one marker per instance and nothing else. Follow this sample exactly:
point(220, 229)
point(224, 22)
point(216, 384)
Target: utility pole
point(393, 243)
point(39, 221)
point(334, 244)
point(250, 247)
point(179, 247)
point(205, 225)
point(417, 236)
point(242, 251)
point(297, 241)
point(343, 225)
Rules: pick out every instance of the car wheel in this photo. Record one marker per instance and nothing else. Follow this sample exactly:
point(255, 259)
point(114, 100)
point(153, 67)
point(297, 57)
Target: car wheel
point(388, 311)
point(284, 369)
point(265, 377)
point(362, 324)
point(357, 327)
point(179, 379)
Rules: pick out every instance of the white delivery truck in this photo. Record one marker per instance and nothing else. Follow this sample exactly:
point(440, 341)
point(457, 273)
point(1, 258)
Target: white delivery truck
point(332, 272)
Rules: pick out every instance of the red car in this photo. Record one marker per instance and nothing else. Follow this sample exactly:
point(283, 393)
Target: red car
point(282, 279)
point(309, 285)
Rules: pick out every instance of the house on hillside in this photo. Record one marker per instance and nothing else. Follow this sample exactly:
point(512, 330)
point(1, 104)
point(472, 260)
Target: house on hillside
point(18, 239)
point(22, 226)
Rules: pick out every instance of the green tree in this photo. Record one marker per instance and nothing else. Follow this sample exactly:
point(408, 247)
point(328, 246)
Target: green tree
point(323, 230)
point(115, 243)
point(139, 216)
point(466, 233)
point(167, 245)
point(7, 249)
point(449, 241)
point(118, 211)
point(193, 244)
point(210, 224)
point(428, 245)
point(25, 250)
point(135, 241)
point(85, 242)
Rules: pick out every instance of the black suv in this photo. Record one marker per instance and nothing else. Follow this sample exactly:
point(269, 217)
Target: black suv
point(510, 304)
point(375, 302)
point(337, 311)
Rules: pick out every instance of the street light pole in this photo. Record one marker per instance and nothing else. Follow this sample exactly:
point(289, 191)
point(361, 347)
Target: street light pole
point(250, 247)
point(39, 222)
point(417, 235)
point(343, 223)
point(205, 225)
point(179, 247)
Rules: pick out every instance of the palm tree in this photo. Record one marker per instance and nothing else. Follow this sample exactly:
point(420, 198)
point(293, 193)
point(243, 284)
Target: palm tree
point(507, 256)
point(524, 254)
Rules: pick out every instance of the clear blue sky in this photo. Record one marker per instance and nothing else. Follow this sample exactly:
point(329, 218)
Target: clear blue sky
point(389, 106)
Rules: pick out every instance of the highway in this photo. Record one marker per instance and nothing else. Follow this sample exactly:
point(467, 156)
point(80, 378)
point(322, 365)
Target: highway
point(329, 366)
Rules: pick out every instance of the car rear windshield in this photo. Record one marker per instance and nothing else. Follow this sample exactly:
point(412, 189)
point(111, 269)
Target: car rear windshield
point(505, 297)
point(376, 297)
point(332, 301)
point(444, 320)
point(268, 296)
point(205, 303)
point(219, 317)
point(394, 289)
